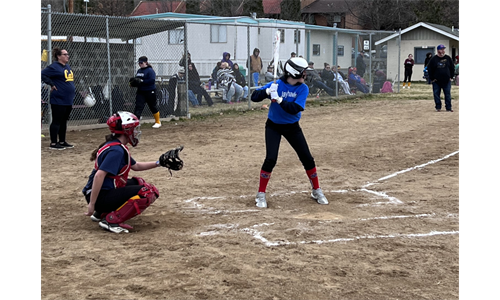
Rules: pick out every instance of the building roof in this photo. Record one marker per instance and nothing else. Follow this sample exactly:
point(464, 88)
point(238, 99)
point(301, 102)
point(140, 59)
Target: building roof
point(444, 30)
point(193, 18)
point(64, 24)
point(158, 7)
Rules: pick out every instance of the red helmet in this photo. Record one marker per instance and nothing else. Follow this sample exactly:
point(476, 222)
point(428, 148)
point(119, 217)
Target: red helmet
point(130, 126)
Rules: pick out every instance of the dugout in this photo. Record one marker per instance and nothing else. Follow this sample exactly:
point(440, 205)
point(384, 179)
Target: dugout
point(103, 56)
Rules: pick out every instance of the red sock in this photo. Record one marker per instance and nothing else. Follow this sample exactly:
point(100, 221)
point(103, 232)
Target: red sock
point(264, 179)
point(313, 178)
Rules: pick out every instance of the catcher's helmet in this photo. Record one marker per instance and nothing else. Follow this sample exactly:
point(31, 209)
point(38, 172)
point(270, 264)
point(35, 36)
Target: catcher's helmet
point(126, 123)
point(295, 67)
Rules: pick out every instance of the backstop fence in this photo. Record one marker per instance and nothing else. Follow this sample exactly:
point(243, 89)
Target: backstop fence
point(104, 52)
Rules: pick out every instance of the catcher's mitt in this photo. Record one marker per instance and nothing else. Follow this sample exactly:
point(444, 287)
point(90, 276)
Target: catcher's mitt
point(171, 160)
point(134, 82)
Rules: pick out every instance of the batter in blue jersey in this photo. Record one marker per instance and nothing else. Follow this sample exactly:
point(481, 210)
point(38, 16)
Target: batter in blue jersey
point(288, 99)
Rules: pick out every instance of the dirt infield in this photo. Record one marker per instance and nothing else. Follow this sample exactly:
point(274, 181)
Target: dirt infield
point(389, 167)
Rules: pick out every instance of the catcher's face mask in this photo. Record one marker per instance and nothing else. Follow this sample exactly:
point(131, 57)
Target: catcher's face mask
point(131, 127)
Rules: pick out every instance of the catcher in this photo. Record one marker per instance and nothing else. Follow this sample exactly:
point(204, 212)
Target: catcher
point(112, 196)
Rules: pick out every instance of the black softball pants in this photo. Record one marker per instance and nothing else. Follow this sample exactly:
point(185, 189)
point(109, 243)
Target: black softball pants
point(408, 74)
point(59, 125)
point(141, 99)
point(111, 200)
point(295, 137)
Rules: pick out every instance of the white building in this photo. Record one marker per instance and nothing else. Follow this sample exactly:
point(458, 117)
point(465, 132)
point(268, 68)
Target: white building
point(419, 39)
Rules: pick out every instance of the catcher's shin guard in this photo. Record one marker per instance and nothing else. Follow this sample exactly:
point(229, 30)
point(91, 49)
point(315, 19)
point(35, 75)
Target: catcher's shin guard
point(135, 205)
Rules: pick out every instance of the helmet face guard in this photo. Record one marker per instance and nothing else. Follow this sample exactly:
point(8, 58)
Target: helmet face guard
point(130, 126)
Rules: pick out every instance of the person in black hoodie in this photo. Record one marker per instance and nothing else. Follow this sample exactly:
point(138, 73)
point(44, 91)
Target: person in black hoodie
point(441, 71)
point(195, 85)
point(240, 79)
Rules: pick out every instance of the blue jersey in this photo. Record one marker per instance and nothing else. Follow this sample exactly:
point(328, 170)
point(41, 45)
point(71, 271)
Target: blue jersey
point(290, 93)
point(62, 77)
point(112, 160)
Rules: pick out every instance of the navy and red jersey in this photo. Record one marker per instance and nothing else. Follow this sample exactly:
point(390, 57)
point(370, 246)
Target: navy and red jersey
point(111, 160)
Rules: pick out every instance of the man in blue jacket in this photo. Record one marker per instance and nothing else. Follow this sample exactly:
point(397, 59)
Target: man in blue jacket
point(60, 77)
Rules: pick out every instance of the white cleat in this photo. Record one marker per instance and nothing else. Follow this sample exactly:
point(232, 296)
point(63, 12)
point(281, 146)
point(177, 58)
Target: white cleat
point(157, 125)
point(318, 195)
point(260, 200)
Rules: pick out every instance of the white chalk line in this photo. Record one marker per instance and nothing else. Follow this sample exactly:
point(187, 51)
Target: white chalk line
point(411, 169)
point(383, 195)
point(389, 200)
point(259, 235)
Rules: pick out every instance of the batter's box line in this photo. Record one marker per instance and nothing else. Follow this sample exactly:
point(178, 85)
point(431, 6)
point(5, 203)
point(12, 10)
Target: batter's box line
point(389, 199)
point(259, 235)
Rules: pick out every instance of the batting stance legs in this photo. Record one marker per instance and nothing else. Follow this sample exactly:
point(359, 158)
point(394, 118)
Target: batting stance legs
point(295, 137)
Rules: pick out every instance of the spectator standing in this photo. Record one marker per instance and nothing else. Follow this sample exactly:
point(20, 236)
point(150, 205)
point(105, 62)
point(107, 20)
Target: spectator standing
point(428, 57)
point(360, 64)
point(60, 77)
point(254, 64)
point(409, 62)
point(441, 71)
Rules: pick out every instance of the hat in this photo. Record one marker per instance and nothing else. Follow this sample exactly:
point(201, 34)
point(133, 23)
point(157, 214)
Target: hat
point(143, 59)
point(181, 70)
point(311, 63)
point(441, 47)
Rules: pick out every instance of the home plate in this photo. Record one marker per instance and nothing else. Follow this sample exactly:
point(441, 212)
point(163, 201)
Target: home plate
point(319, 216)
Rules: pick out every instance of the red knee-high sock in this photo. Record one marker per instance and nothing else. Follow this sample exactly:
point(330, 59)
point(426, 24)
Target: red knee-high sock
point(313, 178)
point(264, 179)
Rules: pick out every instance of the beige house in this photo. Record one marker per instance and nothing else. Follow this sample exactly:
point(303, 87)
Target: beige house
point(418, 40)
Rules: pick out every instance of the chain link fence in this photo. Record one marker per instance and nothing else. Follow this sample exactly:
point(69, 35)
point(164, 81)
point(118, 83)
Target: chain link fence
point(104, 51)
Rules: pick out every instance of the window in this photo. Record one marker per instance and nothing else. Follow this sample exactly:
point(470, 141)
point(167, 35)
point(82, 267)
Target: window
point(316, 49)
point(282, 36)
point(340, 50)
point(218, 33)
point(420, 54)
point(296, 36)
point(176, 36)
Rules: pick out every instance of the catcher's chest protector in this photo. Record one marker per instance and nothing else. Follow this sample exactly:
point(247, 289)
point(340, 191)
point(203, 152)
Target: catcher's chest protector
point(119, 180)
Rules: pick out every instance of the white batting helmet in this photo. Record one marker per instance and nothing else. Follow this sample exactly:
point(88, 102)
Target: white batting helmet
point(295, 67)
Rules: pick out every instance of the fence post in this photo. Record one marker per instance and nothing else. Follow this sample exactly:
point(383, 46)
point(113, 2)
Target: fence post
point(370, 55)
point(399, 58)
point(249, 75)
point(108, 83)
point(186, 66)
point(49, 46)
